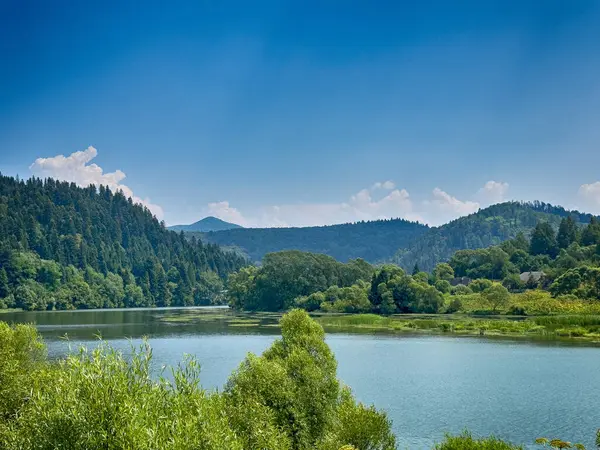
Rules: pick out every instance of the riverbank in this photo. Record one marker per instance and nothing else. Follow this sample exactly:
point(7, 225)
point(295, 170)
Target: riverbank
point(576, 327)
point(585, 328)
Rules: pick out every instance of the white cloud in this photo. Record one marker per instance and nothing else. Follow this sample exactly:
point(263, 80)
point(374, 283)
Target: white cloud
point(492, 192)
point(364, 205)
point(443, 207)
point(439, 208)
point(387, 185)
point(589, 195)
point(75, 168)
point(225, 212)
point(383, 200)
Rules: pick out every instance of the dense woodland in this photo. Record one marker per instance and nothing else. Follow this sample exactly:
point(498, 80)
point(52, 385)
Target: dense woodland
point(374, 241)
point(64, 247)
point(567, 260)
point(284, 276)
point(487, 227)
point(398, 241)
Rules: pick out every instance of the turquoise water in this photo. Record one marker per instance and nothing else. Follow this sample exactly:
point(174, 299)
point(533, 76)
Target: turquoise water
point(429, 385)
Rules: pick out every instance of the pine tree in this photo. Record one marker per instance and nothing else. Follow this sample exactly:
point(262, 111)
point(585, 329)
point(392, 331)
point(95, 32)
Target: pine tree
point(543, 240)
point(567, 232)
point(591, 233)
point(4, 289)
point(416, 269)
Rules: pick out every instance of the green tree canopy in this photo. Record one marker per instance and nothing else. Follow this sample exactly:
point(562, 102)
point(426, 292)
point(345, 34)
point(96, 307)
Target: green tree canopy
point(567, 232)
point(543, 240)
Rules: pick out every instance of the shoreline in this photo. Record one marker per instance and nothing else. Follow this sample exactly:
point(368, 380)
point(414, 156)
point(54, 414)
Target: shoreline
point(569, 328)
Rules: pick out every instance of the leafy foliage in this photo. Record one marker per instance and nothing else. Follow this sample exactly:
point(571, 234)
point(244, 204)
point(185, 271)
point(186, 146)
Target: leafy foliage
point(284, 276)
point(21, 353)
point(63, 247)
point(391, 290)
point(466, 442)
point(287, 399)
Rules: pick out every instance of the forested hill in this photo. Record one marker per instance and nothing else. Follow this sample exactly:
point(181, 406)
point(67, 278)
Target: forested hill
point(373, 241)
point(62, 246)
point(487, 227)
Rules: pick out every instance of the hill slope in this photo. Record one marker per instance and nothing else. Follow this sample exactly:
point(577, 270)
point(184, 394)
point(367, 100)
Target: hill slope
point(62, 246)
point(205, 225)
point(373, 241)
point(487, 227)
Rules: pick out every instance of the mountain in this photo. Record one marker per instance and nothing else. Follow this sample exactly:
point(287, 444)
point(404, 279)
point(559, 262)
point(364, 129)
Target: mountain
point(205, 225)
point(64, 247)
point(397, 240)
point(373, 241)
point(487, 227)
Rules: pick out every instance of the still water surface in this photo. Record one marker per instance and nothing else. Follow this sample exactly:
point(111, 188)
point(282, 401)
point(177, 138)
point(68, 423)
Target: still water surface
point(429, 385)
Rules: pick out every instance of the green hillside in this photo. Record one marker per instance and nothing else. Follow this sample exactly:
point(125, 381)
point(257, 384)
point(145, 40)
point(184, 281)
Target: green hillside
point(373, 241)
point(487, 227)
point(64, 247)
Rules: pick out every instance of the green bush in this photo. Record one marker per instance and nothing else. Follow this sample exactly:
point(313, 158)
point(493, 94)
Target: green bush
point(287, 399)
point(480, 285)
point(21, 356)
point(460, 289)
point(466, 442)
point(454, 306)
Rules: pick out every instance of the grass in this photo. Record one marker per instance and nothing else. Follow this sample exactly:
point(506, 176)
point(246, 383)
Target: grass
point(532, 303)
point(10, 310)
point(581, 327)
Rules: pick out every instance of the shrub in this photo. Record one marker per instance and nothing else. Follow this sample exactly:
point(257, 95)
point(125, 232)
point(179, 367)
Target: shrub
point(480, 285)
point(460, 289)
point(288, 398)
point(21, 356)
point(454, 306)
point(466, 442)
point(516, 310)
point(443, 286)
point(497, 296)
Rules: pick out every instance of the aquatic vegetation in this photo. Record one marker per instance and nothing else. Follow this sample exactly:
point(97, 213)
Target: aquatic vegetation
point(558, 443)
point(466, 441)
point(554, 326)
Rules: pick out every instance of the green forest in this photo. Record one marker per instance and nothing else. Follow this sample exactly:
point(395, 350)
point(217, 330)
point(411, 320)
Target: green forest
point(373, 241)
point(560, 270)
point(66, 247)
point(485, 228)
point(398, 241)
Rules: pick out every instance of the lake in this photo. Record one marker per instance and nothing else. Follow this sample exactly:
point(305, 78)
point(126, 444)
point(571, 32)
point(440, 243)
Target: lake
point(429, 385)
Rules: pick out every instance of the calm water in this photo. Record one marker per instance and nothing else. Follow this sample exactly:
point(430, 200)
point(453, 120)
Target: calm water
point(429, 385)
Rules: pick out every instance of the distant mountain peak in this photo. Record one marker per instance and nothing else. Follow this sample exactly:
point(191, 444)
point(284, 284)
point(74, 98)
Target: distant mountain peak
point(207, 224)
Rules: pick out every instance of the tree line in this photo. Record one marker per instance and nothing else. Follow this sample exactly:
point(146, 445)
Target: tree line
point(566, 260)
point(64, 247)
point(488, 227)
point(373, 241)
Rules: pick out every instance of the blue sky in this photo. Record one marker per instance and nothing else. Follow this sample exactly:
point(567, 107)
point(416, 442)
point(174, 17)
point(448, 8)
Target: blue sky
point(300, 113)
